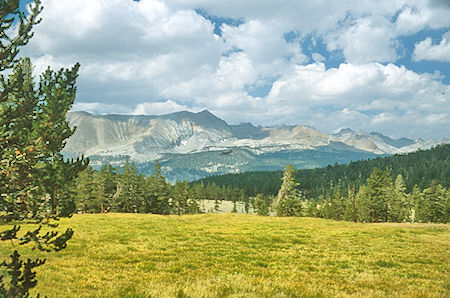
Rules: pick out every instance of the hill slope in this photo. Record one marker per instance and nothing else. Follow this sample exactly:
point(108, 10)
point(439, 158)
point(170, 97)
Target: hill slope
point(180, 138)
point(416, 168)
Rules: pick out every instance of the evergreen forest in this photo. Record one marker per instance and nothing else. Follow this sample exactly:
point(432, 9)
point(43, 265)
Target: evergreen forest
point(417, 168)
point(400, 188)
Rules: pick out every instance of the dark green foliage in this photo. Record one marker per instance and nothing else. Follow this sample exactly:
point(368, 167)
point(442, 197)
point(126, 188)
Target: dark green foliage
point(35, 179)
point(22, 276)
point(251, 182)
point(289, 198)
point(128, 191)
point(9, 14)
point(183, 201)
point(129, 195)
point(435, 204)
point(262, 204)
point(381, 199)
point(378, 192)
point(417, 168)
point(157, 193)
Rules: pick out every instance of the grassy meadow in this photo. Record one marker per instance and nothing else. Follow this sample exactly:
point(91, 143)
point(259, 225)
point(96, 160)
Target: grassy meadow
point(237, 255)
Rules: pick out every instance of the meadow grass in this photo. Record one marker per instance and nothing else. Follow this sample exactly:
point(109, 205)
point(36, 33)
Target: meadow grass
point(237, 255)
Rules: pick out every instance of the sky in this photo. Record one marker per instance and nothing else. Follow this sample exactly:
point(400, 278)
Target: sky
point(369, 65)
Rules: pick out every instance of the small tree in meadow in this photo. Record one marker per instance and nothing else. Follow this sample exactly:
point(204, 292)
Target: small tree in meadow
point(289, 197)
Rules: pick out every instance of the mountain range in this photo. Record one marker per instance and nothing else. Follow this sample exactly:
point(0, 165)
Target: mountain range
point(195, 145)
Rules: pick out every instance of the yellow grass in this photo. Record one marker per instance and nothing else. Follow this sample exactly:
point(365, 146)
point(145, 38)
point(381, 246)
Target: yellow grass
point(236, 255)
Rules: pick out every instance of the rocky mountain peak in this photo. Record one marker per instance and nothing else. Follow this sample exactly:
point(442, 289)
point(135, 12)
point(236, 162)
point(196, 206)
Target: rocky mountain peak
point(145, 138)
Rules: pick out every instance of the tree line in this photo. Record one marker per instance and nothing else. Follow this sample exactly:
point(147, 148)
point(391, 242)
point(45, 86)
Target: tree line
point(383, 197)
point(126, 190)
point(380, 199)
point(417, 168)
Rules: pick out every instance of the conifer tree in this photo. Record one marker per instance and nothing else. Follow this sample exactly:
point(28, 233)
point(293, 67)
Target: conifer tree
point(398, 204)
point(86, 191)
point(157, 193)
point(351, 210)
point(436, 203)
point(337, 205)
point(129, 196)
point(107, 186)
point(362, 204)
point(199, 191)
point(261, 205)
point(379, 192)
point(289, 197)
point(34, 177)
point(181, 195)
point(310, 209)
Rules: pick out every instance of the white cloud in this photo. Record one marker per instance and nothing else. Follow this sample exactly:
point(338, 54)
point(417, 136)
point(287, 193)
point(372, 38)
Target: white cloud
point(142, 47)
point(318, 57)
point(159, 108)
point(100, 108)
point(161, 56)
point(426, 50)
point(369, 96)
point(419, 15)
point(365, 40)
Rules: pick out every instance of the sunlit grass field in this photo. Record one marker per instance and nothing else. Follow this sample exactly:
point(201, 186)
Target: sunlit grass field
point(237, 255)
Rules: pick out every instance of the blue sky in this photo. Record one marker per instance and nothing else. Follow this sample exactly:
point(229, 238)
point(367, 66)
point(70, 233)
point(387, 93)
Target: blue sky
point(372, 65)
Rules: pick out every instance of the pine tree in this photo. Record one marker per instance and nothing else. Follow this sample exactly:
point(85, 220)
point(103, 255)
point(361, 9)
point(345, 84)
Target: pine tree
point(311, 209)
point(181, 195)
point(436, 203)
point(199, 191)
point(261, 206)
point(398, 203)
point(129, 196)
point(289, 197)
point(351, 210)
point(418, 210)
point(86, 191)
point(362, 204)
point(34, 177)
point(107, 187)
point(379, 191)
point(157, 193)
point(337, 205)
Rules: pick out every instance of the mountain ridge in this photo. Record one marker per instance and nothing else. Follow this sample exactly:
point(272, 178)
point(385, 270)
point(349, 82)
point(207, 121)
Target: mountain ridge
point(183, 135)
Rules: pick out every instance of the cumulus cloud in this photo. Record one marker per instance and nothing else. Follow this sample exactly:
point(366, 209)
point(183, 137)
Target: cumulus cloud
point(365, 40)
point(100, 108)
point(159, 108)
point(426, 50)
point(162, 56)
point(417, 15)
point(143, 47)
point(368, 96)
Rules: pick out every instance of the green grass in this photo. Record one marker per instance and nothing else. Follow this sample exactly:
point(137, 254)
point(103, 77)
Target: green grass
point(236, 255)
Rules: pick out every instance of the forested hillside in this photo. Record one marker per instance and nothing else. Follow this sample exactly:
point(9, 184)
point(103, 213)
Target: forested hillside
point(417, 168)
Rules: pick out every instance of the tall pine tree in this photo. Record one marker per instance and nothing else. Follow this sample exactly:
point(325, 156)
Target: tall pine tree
point(289, 197)
point(34, 178)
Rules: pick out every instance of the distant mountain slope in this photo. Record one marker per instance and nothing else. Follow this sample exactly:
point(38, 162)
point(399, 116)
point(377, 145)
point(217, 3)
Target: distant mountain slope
point(399, 143)
point(178, 139)
point(416, 168)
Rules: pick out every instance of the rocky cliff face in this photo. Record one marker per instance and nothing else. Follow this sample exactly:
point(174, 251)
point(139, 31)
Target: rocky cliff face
point(144, 137)
point(185, 136)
